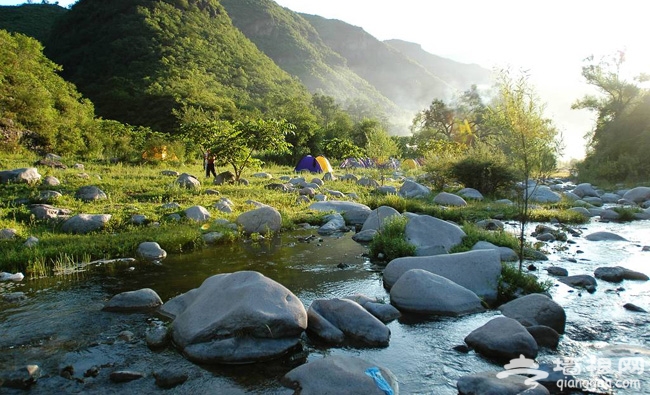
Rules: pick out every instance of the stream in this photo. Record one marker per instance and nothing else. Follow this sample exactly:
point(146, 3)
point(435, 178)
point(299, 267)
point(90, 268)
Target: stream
point(61, 323)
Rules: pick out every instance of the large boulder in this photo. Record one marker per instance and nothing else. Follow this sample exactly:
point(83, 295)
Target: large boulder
point(503, 338)
point(422, 292)
point(237, 317)
point(27, 175)
point(85, 223)
point(543, 194)
point(604, 236)
point(470, 193)
point(188, 181)
point(477, 271)
point(90, 193)
point(337, 374)
point(411, 189)
point(260, 220)
point(585, 190)
point(616, 274)
point(637, 195)
point(340, 320)
point(378, 216)
point(47, 212)
point(51, 181)
point(142, 299)
point(383, 311)
point(197, 213)
point(354, 213)
point(449, 199)
point(536, 309)
point(432, 236)
point(507, 254)
point(580, 281)
point(335, 224)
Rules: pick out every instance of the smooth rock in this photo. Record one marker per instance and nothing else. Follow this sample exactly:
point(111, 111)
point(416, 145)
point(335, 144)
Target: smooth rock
point(85, 223)
point(422, 292)
point(197, 213)
point(383, 311)
point(487, 383)
point(378, 217)
point(502, 338)
point(354, 213)
point(141, 299)
point(335, 224)
point(8, 234)
point(157, 336)
point(616, 274)
point(28, 175)
point(168, 378)
point(470, 193)
point(544, 336)
point(151, 251)
point(90, 193)
point(604, 236)
point(449, 199)
point(365, 236)
point(557, 271)
point(536, 309)
point(633, 307)
point(637, 195)
point(506, 254)
point(432, 236)
point(260, 220)
point(123, 376)
point(188, 181)
point(411, 189)
point(580, 281)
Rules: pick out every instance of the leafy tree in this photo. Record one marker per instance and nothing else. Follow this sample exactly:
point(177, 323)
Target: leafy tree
point(380, 146)
point(341, 149)
point(235, 144)
point(526, 137)
point(50, 113)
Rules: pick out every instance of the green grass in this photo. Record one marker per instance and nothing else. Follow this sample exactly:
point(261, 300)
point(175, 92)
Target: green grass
point(390, 240)
point(142, 189)
point(513, 283)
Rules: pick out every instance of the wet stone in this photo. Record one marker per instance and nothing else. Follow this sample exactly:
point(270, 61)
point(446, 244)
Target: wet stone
point(123, 376)
point(633, 307)
point(167, 378)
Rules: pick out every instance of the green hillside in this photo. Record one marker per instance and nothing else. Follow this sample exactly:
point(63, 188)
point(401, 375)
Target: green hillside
point(297, 48)
point(34, 20)
point(402, 80)
point(146, 62)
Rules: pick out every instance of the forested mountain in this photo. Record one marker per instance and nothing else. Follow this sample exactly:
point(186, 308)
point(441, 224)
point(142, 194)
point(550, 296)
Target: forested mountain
point(297, 48)
point(460, 76)
point(34, 20)
point(149, 62)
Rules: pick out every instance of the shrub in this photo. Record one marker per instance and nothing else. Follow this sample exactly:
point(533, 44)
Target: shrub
point(391, 241)
point(485, 175)
point(513, 283)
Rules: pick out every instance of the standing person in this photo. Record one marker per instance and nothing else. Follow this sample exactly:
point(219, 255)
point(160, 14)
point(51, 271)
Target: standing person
point(209, 165)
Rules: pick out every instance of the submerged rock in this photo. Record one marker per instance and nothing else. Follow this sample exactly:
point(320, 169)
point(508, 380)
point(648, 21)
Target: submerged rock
point(616, 274)
point(487, 383)
point(142, 299)
point(341, 375)
point(168, 378)
point(580, 281)
point(604, 236)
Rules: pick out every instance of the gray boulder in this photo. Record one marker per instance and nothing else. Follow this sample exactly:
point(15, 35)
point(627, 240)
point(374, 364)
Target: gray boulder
point(260, 220)
point(90, 193)
point(157, 336)
point(571, 196)
point(637, 195)
point(212, 237)
point(449, 199)
point(610, 197)
point(51, 181)
point(31, 241)
point(432, 236)
point(28, 175)
point(386, 190)
point(557, 271)
point(240, 317)
point(487, 383)
point(411, 189)
point(506, 202)
point(8, 234)
point(365, 236)
point(383, 311)
point(422, 292)
point(378, 217)
point(543, 194)
point(151, 251)
point(616, 274)
point(335, 224)
point(47, 212)
point(470, 193)
point(197, 213)
point(581, 210)
point(368, 182)
point(580, 281)
point(507, 254)
point(85, 223)
point(490, 224)
point(354, 213)
point(49, 196)
point(141, 299)
point(188, 181)
point(477, 271)
point(585, 190)
point(604, 236)
point(536, 309)
point(503, 338)
point(544, 336)
point(340, 320)
point(336, 374)
point(225, 177)
point(170, 173)
point(594, 201)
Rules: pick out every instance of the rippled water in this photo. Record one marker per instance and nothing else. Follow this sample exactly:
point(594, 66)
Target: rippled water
point(61, 322)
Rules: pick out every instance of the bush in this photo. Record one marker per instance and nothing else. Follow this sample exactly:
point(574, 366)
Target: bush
point(485, 175)
point(391, 240)
point(513, 283)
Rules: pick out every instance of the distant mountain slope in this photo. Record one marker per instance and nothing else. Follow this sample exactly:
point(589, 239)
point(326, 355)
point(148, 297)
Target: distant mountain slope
point(459, 75)
point(399, 78)
point(297, 48)
point(34, 20)
point(145, 61)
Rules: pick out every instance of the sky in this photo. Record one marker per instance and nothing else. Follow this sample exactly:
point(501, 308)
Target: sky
point(549, 39)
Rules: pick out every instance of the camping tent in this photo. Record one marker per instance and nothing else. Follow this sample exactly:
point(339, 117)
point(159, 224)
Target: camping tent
point(320, 164)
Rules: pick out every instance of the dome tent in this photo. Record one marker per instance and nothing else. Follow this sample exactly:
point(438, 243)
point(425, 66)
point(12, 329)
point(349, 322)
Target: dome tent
point(319, 164)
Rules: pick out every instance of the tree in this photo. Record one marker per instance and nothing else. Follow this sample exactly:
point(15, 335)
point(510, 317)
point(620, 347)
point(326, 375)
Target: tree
point(235, 144)
point(342, 148)
point(526, 137)
point(380, 147)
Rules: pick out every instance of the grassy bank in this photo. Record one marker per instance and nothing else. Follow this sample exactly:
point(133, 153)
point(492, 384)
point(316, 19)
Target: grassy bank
point(143, 190)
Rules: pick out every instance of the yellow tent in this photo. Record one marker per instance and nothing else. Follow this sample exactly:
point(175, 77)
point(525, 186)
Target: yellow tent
point(410, 164)
point(324, 164)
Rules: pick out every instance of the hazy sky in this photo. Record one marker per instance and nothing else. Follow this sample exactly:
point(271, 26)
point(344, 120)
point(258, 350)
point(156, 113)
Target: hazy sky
point(549, 38)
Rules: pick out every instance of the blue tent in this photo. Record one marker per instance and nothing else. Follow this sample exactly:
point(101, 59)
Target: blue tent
point(309, 163)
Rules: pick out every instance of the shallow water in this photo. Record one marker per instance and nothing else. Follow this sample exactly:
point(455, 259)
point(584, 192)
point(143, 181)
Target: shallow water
point(61, 322)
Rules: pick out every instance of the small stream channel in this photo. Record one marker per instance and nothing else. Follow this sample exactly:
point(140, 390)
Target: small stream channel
point(61, 322)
